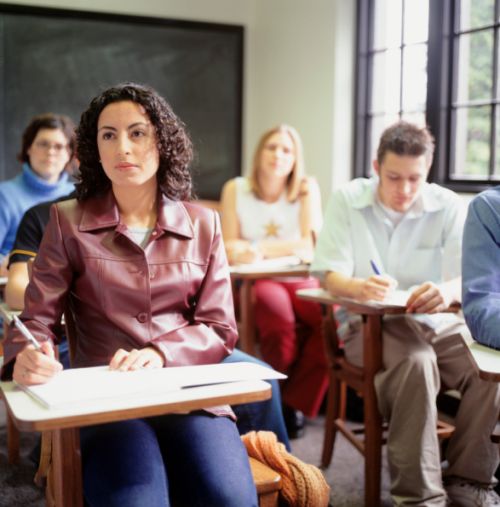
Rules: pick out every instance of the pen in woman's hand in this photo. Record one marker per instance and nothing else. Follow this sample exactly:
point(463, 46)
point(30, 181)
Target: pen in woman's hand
point(26, 333)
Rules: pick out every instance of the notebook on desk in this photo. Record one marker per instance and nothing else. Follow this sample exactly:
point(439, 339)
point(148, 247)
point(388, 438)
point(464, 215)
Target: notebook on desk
point(396, 299)
point(81, 385)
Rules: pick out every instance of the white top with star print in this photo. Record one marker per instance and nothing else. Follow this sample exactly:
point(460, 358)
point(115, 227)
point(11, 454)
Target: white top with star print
point(262, 220)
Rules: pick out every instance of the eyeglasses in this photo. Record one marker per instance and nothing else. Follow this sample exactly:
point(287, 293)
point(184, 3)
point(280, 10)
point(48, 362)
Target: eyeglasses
point(46, 145)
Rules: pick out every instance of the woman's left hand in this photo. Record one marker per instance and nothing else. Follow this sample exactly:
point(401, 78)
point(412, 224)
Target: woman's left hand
point(136, 359)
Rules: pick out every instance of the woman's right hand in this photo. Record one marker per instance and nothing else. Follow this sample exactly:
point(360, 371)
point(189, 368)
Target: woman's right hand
point(36, 366)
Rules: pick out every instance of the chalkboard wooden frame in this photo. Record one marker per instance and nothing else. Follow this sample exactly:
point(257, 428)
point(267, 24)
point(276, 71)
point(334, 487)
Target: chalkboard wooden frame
point(57, 60)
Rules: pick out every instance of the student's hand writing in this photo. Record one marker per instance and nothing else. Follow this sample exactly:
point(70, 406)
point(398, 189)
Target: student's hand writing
point(376, 287)
point(36, 367)
point(248, 256)
point(428, 298)
point(135, 359)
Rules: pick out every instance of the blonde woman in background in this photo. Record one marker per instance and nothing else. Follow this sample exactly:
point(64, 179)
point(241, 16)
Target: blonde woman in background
point(272, 213)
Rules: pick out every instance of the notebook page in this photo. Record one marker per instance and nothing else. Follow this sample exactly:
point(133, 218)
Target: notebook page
point(80, 385)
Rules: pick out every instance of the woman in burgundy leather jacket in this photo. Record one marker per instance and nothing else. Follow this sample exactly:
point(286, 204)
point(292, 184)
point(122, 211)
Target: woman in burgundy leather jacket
point(145, 276)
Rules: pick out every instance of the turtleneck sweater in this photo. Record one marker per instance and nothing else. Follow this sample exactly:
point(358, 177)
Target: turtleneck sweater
point(20, 193)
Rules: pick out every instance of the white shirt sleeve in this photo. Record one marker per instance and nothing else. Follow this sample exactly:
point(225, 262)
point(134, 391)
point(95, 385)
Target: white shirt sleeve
point(334, 249)
point(452, 240)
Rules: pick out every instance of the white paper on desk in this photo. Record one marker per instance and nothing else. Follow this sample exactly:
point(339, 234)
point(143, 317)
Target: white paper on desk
point(397, 298)
point(267, 264)
point(80, 385)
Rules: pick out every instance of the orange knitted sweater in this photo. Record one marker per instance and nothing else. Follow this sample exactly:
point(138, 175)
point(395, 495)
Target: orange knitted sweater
point(303, 485)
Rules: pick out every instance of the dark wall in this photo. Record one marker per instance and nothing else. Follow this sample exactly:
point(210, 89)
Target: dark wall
point(56, 60)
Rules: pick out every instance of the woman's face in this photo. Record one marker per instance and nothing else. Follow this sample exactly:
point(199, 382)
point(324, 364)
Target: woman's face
point(278, 155)
point(49, 154)
point(127, 145)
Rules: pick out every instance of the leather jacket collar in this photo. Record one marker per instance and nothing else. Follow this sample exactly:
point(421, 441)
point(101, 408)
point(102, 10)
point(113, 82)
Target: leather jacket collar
point(102, 213)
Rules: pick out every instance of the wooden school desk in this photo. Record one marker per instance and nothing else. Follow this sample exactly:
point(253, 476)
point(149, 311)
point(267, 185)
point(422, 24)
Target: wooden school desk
point(361, 378)
point(64, 422)
point(245, 276)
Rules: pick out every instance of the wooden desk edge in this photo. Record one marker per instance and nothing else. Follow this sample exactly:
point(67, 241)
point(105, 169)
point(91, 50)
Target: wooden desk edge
point(351, 305)
point(248, 275)
point(183, 406)
point(478, 348)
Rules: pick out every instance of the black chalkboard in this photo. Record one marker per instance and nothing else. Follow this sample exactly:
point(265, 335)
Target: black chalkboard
point(58, 60)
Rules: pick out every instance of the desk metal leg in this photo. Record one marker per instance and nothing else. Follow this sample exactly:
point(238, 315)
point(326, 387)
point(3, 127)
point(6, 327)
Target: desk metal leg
point(247, 333)
point(67, 468)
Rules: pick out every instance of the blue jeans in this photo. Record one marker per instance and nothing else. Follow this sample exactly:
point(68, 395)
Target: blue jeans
point(260, 415)
point(188, 460)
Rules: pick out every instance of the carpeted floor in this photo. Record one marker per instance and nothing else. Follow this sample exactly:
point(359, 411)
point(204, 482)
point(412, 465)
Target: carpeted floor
point(345, 474)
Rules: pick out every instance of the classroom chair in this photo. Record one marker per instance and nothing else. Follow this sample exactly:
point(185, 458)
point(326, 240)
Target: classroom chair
point(361, 379)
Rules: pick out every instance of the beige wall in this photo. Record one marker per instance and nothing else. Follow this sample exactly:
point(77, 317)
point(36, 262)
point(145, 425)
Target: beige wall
point(299, 61)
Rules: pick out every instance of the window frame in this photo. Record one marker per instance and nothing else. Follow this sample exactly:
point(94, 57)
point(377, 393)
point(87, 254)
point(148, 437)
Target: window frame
point(442, 74)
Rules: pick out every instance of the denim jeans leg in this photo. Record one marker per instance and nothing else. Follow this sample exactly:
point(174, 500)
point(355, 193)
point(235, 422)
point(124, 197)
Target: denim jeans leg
point(207, 463)
point(123, 465)
point(261, 415)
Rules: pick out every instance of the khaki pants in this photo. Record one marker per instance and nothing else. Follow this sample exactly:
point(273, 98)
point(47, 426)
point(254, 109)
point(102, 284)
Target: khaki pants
point(418, 363)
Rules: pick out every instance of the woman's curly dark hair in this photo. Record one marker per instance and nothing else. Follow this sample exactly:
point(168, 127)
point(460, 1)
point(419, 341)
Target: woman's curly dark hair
point(174, 145)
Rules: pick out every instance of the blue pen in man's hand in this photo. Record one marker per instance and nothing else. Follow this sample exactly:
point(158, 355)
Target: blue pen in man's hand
point(374, 267)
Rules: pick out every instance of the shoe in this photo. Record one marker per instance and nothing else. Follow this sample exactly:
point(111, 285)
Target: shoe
point(462, 493)
point(294, 422)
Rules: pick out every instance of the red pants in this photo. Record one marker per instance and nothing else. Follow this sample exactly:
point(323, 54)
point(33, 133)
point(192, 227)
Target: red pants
point(302, 358)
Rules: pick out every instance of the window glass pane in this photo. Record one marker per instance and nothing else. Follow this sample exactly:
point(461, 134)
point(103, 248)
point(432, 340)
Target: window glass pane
point(475, 69)
point(472, 143)
point(415, 118)
point(416, 21)
point(387, 25)
point(378, 125)
point(476, 13)
point(386, 82)
point(414, 77)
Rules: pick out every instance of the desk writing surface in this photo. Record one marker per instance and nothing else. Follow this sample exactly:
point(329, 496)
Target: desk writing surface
point(30, 415)
point(391, 305)
point(487, 361)
point(280, 265)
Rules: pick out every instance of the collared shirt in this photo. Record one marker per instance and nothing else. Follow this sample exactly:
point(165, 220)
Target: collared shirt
point(425, 245)
point(481, 268)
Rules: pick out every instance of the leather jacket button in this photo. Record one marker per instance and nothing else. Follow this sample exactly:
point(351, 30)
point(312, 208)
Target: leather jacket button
point(142, 317)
